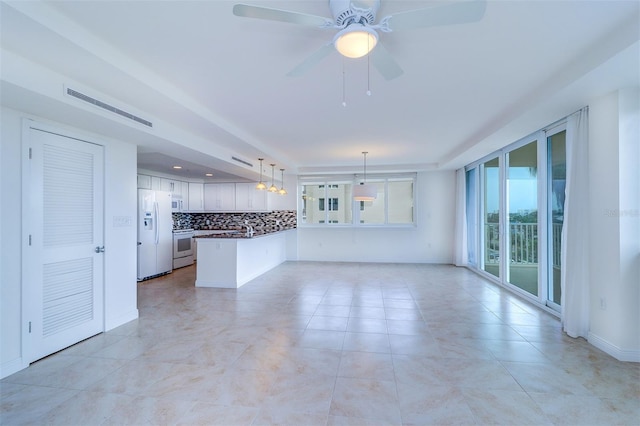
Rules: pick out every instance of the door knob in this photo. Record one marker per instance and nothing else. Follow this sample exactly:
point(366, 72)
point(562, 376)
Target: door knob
point(99, 249)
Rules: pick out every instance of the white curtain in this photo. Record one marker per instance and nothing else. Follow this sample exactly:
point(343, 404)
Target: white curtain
point(461, 253)
point(575, 237)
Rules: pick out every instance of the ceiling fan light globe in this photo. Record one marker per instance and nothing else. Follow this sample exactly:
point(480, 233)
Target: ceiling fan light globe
point(355, 41)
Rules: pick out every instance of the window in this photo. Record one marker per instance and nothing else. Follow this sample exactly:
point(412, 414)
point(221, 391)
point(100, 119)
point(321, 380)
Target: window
point(331, 201)
point(393, 205)
point(400, 201)
point(374, 212)
point(332, 204)
point(324, 203)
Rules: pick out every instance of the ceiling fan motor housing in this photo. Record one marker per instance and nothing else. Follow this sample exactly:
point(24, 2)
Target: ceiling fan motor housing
point(347, 12)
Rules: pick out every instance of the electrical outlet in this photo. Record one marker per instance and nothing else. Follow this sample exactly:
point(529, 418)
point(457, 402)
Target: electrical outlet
point(603, 303)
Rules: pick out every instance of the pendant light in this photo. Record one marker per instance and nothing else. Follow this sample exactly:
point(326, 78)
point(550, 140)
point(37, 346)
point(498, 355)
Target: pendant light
point(261, 186)
point(273, 188)
point(364, 192)
point(282, 191)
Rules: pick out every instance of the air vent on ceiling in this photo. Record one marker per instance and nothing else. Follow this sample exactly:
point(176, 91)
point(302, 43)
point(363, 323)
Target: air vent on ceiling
point(242, 161)
point(108, 107)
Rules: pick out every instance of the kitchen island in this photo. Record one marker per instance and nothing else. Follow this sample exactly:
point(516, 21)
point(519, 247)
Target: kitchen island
point(231, 259)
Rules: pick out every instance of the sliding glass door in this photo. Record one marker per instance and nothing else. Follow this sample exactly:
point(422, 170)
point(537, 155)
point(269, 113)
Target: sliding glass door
point(522, 217)
point(472, 215)
point(515, 214)
point(490, 171)
point(557, 179)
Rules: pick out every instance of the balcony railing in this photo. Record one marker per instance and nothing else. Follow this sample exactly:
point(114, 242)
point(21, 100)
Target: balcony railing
point(523, 243)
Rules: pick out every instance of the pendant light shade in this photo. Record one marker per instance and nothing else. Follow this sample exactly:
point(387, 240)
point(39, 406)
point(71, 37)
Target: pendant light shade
point(364, 191)
point(282, 191)
point(273, 188)
point(261, 186)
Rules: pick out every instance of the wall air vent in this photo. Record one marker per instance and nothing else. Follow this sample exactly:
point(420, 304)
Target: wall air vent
point(108, 107)
point(242, 161)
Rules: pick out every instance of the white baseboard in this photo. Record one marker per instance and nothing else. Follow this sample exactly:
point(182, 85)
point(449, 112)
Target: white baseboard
point(112, 323)
point(616, 352)
point(13, 366)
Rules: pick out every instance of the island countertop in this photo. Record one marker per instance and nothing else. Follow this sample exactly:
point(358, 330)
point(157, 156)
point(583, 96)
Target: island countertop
point(235, 234)
point(229, 260)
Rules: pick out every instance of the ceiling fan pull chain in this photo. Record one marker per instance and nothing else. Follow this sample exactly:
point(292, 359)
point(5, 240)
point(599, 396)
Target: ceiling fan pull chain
point(344, 96)
point(368, 70)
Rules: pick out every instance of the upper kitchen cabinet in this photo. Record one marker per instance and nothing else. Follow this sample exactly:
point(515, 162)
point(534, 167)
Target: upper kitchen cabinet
point(156, 183)
point(219, 196)
point(248, 198)
point(152, 182)
point(185, 194)
point(196, 197)
point(144, 182)
point(174, 186)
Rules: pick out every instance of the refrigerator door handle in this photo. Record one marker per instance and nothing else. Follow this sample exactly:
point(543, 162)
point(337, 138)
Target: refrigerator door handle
point(155, 213)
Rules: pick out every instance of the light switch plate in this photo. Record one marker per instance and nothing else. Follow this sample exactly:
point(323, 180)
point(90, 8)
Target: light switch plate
point(121, 221)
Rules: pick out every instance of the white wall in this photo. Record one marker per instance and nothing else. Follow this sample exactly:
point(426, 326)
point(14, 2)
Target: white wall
point(10, 229)
point(121, 254)
point(284, 202)
point(120, 242)
point(431, 241)
point(629, 130)
point(614, 155)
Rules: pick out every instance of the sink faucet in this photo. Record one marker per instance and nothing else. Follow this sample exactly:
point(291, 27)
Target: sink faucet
point(249, 228)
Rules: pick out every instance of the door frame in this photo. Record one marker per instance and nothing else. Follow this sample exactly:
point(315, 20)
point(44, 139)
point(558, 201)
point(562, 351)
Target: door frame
point(28, 201)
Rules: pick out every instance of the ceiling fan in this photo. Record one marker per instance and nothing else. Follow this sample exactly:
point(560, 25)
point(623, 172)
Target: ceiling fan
point(358, 32)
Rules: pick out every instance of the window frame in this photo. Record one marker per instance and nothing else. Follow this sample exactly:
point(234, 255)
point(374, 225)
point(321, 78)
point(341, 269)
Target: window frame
point(544, 221)
point(328, 182)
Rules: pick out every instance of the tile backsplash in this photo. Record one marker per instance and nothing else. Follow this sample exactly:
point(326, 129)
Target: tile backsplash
point(268, 221)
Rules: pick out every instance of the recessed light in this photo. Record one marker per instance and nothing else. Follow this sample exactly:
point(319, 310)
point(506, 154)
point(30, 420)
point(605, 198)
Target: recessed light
point(177, 167)
point(209, 174)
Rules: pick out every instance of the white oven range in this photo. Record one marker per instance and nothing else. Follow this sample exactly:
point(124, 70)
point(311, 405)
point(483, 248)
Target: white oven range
point(182, 248)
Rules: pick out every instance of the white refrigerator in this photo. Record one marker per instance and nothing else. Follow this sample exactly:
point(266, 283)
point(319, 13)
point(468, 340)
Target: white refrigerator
point(155, 238)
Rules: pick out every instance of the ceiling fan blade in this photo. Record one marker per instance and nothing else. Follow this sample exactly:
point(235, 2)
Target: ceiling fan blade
point(453, 13)
point(311, 61)
point(258, 12)
point(384, 63)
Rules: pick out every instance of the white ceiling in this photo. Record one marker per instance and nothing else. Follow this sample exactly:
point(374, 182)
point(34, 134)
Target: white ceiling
point(218, 83)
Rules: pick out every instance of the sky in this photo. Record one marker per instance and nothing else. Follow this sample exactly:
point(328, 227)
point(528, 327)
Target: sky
point(522, 190)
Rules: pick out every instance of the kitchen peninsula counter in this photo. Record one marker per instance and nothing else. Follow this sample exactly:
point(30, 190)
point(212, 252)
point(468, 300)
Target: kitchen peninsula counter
point(236, 234)
point(231, 259)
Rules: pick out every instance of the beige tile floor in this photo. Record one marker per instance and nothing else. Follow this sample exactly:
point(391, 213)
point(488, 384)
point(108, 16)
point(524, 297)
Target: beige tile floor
point(329, 344)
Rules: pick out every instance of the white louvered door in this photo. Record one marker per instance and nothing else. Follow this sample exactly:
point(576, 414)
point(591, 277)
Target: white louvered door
point(64, 271)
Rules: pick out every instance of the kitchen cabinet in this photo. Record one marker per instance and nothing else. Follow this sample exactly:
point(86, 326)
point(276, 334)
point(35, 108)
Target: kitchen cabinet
point(233, 262)
point(156, 183)
point(184, 191)
point(144, 182)
point(185, 188)
point(219, 196)
point(196, 197)
point(172, 186)
point(248, 198)
point(211, 197)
